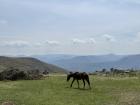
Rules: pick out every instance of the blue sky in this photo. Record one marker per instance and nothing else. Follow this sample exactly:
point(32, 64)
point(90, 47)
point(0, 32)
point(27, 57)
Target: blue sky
point(69, 26)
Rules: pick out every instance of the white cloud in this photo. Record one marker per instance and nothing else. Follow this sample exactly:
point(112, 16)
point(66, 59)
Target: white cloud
point(84, 41)
point(109, 38)
point(78, 41)
point(38, 44)
point(92, 40)
point(17, 43)
point(21, 43)
point(52, 42)
point(48, 42)
point(137, 37)
point(3, 22)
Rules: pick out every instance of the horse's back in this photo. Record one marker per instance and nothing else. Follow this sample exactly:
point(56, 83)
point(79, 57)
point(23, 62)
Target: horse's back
point(85, 75)
point(82, 75)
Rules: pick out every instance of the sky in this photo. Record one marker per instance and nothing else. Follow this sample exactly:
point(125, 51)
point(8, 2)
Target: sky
point(87, 27)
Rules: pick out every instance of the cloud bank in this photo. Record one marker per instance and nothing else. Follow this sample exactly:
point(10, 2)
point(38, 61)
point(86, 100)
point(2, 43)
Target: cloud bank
point(52, 26)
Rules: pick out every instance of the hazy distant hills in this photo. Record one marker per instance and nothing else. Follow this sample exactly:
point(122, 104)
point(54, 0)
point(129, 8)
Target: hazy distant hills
point(94, 62)
point(27, 63)
point(53, 57)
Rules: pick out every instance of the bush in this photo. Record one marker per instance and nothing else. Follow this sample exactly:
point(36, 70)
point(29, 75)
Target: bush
point(15, 74)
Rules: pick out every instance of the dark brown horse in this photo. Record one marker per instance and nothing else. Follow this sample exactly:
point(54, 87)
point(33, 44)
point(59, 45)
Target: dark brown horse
point(78, 76)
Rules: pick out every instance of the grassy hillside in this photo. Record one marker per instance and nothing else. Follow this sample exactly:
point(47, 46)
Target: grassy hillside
point(26, 63)
point(55, 91)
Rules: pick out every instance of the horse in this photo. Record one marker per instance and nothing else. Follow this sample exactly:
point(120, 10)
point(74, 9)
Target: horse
point(79, 76)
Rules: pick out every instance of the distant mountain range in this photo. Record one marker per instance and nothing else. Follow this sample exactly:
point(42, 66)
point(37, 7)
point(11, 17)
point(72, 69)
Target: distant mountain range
point(93, 62)
point(53, 57)
point(27, 64)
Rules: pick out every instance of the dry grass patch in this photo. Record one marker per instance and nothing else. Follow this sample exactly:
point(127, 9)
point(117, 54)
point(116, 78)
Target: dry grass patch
point(7, 103)
point(8, 85)
point(129, 98)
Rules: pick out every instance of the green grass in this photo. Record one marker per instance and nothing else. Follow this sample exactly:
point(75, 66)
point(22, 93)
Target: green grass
point(55, 91)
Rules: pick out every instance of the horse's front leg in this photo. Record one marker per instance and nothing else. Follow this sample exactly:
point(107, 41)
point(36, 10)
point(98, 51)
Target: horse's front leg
point(72, 82)
point(78, 83)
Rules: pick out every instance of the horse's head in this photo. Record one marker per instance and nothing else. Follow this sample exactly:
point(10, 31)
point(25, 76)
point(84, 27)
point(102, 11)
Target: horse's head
point(69, 76)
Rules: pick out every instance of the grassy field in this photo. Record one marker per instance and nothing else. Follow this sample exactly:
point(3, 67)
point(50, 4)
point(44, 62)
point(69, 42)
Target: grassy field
point(55, 91)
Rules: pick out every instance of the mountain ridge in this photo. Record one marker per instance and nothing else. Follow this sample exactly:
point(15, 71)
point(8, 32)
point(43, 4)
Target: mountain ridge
point(27, 63)
point(98, 62)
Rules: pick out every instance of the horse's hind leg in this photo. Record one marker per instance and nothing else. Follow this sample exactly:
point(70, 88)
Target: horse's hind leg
point(72, 82)
point(84, 83)
point(78, 83)
point(87, 79)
